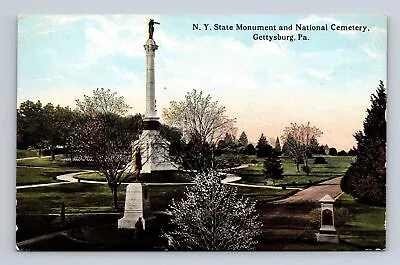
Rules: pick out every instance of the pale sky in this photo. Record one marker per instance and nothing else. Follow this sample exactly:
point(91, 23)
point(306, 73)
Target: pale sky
point(326, 80)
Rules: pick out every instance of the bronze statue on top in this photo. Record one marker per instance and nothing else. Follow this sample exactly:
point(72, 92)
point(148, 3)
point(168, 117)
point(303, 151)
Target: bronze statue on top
point(151, 27)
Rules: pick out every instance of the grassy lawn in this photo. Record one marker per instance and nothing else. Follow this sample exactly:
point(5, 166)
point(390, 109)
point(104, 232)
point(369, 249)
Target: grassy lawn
point(27, 153)
point(162, 177)
point(365, 227)
point(76, 196)
point(336, 165)
point(44, 162)
point(28, 176)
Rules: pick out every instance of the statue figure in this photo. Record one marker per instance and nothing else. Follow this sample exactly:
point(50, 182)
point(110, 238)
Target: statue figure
point(151, 27)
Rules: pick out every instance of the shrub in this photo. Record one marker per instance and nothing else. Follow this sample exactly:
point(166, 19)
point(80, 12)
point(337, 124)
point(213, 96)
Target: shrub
point(254, 161)
point(320, 160)
point(306, 169)
point(332, 151)
point(250, 150)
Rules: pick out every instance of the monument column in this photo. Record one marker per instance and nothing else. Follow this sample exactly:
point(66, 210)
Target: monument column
point(150, 48)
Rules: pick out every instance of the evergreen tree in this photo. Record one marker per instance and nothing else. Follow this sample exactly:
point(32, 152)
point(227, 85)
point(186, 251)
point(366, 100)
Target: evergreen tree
point(243, 141)
point(263, 148)
point(273, 169)
point(366, 178)
point(278, 146)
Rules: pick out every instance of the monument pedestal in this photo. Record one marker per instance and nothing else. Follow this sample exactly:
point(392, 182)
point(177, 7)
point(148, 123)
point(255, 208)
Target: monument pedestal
point(154, 150)
point(137, 205)
point(327, 232)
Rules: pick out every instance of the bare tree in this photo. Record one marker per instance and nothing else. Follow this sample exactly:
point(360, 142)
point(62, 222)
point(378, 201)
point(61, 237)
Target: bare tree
point(199, 117)
point(298, 140)
point(202, 122)
point(104, 141)
point(212, 217)
point(103, 101)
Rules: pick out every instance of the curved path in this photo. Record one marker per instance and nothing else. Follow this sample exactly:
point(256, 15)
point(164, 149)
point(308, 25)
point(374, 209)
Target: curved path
point(315, 193)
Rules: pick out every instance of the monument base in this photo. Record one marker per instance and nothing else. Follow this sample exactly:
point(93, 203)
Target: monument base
point(154, 150)
point(328, 238)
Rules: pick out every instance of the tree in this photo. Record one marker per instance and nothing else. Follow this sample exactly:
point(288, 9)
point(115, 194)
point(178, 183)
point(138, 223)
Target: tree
point(104, 140)
point(342, 153)
point(332, 151)
point(299, 140)
point(243, 141)
point(278, 148)
point(202, 122)
point(250, 150)
point(352, 152)
point(103, 101)
point(263, 148)
point(314, 146)
point(273, 169)
point(199, 117)
point(211, 216)
point(365, 179)
point(30, 124)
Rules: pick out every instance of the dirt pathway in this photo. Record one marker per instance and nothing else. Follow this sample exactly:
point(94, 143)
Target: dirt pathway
point(315, 193)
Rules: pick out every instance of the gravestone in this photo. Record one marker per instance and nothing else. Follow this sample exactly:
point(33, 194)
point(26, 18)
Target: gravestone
point(327, 231)
point(137, 206)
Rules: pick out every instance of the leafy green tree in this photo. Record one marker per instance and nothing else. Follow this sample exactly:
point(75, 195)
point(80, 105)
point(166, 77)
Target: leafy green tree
point(365, 179)
point(211, 216)
point(273, 169)
point(30, 124)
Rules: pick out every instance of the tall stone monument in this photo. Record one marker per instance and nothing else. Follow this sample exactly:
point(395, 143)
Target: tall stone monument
point(154, 149)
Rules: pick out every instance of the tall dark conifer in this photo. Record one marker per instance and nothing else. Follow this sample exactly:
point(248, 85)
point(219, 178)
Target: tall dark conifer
point(366, 177)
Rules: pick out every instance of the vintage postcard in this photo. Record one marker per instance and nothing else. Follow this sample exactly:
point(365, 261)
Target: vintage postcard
point(201, 132)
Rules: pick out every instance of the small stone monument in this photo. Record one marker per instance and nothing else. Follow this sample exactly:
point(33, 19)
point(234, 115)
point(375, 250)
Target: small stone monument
point(137, 206)
point(327, 231)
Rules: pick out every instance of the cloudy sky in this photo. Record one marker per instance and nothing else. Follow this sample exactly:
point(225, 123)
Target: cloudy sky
point(326, 80)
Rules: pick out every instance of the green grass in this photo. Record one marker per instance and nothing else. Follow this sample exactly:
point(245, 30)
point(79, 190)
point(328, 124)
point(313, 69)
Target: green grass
point(76, 196)
point(29, 176)
point(44, 162)
point(27, 153)
point(337, 165)
point(158, 177)
point(365, 227)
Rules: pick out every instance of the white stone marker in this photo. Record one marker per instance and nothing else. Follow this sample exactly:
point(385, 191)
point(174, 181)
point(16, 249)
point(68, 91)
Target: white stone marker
point(327, 231)
point(135, 206)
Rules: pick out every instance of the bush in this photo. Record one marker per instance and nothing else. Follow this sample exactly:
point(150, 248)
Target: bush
point(254, 161)
point(332, 151)
point(306, 169)
point(320, 160)
point(250, 150)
